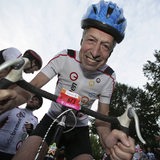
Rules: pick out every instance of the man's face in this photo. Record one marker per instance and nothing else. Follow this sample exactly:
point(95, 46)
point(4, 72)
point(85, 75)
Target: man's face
point(31, 68)
point(33, 103)
point(96, 47)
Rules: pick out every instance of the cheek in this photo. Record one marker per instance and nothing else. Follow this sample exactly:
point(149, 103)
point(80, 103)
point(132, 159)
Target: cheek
point(83, 50)
point(85, 46)
point(105, 56)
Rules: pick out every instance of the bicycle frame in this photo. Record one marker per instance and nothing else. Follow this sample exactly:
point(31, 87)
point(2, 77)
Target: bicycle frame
point(122, 122)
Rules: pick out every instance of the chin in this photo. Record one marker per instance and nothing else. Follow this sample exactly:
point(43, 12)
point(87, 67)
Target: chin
point(91, 69)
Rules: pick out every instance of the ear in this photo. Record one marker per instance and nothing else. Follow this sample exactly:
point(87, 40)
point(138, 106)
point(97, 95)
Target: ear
point(110, 53)
point(81, 41)
point(33, 62)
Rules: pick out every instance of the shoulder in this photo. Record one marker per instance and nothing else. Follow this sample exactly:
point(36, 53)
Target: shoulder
point(107, 70)
point(66, 53)
point(13, 111)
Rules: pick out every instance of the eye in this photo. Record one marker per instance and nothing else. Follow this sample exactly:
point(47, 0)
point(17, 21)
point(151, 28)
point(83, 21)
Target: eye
point(106, 47)
point(90, 40)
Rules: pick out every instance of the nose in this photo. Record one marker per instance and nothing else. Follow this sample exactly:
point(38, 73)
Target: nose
point(96, 51)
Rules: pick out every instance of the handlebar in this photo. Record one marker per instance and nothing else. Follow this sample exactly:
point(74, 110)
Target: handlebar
point(122, 122)
point(12, 63)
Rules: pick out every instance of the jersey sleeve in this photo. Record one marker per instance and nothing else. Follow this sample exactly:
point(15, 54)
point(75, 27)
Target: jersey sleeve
point(107, 90)
point(55, 65)
point(11, 54)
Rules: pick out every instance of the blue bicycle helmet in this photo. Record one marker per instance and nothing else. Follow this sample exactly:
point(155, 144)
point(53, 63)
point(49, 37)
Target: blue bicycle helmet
point(106, 16)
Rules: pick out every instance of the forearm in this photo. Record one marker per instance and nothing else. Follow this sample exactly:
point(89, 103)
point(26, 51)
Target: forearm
point(103, 130)
point(11, 98)
point(22, 96)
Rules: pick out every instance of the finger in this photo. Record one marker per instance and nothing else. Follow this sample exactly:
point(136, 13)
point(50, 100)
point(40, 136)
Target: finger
point(113, 155)
point(130, 149)
point(121, 154)
point(122, 137)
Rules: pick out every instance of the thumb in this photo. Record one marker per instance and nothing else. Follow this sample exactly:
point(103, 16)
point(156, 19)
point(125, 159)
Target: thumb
point(122, 137)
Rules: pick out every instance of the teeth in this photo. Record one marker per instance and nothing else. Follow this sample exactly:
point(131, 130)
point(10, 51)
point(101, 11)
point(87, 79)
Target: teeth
point(91, 60)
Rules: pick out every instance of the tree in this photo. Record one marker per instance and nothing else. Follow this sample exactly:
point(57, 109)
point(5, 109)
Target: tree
point(97, 149)
point(96, 146)
point(152, 72)
point(146, 103)
point(142, 103)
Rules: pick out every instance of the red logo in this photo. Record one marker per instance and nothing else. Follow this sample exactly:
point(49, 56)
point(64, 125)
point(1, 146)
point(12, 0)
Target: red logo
point(84, 100)
point(73, 76)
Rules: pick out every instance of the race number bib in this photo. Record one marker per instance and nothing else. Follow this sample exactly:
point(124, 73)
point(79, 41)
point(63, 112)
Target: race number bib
point(69, 99)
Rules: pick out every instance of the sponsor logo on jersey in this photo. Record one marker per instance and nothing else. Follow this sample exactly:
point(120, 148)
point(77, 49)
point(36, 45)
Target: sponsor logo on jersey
point(73, 76)
point(91, 83)
point(98, 80)
point(84, 100)
point(92, 95)
point(73, 87)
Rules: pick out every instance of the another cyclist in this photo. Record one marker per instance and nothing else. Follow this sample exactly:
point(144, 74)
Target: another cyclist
point(34, 63)
point(15, 125)
point(86, 73)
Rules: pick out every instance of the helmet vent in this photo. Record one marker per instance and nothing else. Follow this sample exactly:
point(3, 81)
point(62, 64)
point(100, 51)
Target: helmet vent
point(121, 21)
point(94, 9)
point(109, 12)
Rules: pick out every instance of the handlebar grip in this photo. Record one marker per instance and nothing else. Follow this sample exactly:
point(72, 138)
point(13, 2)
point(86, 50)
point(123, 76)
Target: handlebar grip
point(120, 127)
point(125, 130)
point(5, 83)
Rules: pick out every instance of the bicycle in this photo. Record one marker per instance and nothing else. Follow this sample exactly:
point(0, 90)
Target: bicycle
point(122, 122)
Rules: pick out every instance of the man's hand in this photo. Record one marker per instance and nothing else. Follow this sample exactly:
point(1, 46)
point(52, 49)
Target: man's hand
point(6, 97)
point(119, 146)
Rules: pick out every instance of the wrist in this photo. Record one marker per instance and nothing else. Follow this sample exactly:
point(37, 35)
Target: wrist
point(103, 130)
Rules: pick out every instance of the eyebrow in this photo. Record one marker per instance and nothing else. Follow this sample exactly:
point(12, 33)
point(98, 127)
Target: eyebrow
point(102, 41)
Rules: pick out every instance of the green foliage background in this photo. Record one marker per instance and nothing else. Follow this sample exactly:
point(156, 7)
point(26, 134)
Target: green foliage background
point(146, 102)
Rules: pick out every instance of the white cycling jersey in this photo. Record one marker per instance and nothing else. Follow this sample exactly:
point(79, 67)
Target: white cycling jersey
point(12, 128)
point(73, 77)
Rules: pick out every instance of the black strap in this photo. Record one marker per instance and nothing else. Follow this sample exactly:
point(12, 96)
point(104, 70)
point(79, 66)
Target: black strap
point(71, 53)
point(109, 71)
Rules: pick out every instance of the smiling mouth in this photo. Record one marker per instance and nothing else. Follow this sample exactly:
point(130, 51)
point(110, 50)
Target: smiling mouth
point(93, 60)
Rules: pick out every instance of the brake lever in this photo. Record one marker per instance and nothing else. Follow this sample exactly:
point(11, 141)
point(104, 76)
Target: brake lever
point(125, 120)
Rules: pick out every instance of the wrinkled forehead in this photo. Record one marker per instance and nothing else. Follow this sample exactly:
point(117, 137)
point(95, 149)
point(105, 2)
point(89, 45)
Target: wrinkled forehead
point(105, 37)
